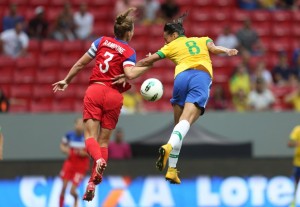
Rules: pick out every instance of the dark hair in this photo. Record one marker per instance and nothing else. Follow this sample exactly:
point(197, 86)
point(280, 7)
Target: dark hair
point(176, 25)
point(123, 23)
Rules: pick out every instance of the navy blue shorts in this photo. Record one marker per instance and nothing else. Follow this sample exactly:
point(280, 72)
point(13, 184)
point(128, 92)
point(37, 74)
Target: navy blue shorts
point(192, 86)
point(296, 172)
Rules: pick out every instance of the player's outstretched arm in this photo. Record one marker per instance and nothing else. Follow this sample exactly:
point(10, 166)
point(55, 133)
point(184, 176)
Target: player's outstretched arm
point(141, 66)
point(219, 49)
point(80, 64)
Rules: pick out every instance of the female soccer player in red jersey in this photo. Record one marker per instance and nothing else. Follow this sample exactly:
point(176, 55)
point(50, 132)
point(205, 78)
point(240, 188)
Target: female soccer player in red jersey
point(77, 163)
point(103, 99)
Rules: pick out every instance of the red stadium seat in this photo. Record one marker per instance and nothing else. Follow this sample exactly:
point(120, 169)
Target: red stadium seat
point(224, 3)
point(281, 16)
point(101, 15)
point(43, 91)
point(202, 3)
point(51, 48)
point(260, 16)
point(296, 30)
point(21, 90)
point(4, 2)
point(69, 93)
point(78, 105)
point(240, 15)
point(262, 28)
point(39, 105)
point(102, 28)
point(202, 30)
point(281, 30)
point(140, 30)
point(223, 15)
point(34, 48)
point(151, 106)
point(156, 31)
point(219, 61)
point(296, 16)
point(20, 105)
point(164, 105)
point(25, 70)
point(73, 48)
point(35, 3)
point(201, 15)
point(63, 105)
point(139, 43)
point(79, 90)
point(281, 44)
point(99, 3)
point(47, 71)
point(52, 13)
point(18, 2)
point(7, 66)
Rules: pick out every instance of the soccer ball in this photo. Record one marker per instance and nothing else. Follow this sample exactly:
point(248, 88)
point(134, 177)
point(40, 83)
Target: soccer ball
point(152, 89)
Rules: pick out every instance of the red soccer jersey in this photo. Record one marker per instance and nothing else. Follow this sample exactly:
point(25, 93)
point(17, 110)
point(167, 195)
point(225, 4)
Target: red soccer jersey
point(111, 56)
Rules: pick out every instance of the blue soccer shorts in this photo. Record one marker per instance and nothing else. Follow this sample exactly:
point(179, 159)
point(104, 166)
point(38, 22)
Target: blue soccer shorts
point(192, 86)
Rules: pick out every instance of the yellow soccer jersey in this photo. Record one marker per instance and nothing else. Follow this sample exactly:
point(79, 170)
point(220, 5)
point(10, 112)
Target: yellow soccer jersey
point(295, 136)
point(188, 53)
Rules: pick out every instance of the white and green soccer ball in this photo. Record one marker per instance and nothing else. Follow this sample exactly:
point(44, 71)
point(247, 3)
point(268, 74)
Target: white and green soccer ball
point(152, 89)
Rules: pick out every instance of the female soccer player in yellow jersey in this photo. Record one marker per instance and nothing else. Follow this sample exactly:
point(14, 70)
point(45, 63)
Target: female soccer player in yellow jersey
point(193, 79)
point(294, 142)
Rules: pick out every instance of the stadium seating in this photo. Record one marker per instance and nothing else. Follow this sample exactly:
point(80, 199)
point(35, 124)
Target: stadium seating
point(49, 60)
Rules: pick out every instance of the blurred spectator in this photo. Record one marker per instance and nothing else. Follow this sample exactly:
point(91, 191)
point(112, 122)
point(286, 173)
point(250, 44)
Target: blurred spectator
point(64, 26)
point(240, 86)
point(286, 4)
point(168, 10)
point(227, 38)
point(132, 102)
point(218, 100)
point(261, 71)
point(248, 4)
point(249, 39)
point(119, 149)
point(84, 21)
point(240, 80)
point(14, 42)
point(261, 98)
point(240, 101)
point(150, 11)
point(4, 102)
point(294, 98)
point(267, 4)
point(282, 71)
point(38, 25)
point(296, 68)
point(9, 21)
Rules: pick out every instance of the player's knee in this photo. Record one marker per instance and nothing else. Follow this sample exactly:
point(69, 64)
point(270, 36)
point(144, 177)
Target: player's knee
point(74, 194)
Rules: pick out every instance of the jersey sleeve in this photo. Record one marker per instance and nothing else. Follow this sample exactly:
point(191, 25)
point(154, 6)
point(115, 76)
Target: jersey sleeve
point(130, 61)
point(66, 138)
point(94, 47)
point(295, 134)
point(207, 40)
point(164, 51)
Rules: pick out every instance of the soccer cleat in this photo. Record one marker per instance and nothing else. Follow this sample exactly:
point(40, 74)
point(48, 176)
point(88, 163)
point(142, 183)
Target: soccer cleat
point(100, 166)
point(164, 152)
point(97, 173)
point(89, 192)
point(96, 178)
point(172, 176)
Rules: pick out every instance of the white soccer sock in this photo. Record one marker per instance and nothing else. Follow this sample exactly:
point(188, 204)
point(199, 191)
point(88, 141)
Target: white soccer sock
point(173, 157)
point(179, 132)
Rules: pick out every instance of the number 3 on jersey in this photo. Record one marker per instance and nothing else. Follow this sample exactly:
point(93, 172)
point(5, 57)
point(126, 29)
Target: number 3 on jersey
point(106, 62)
